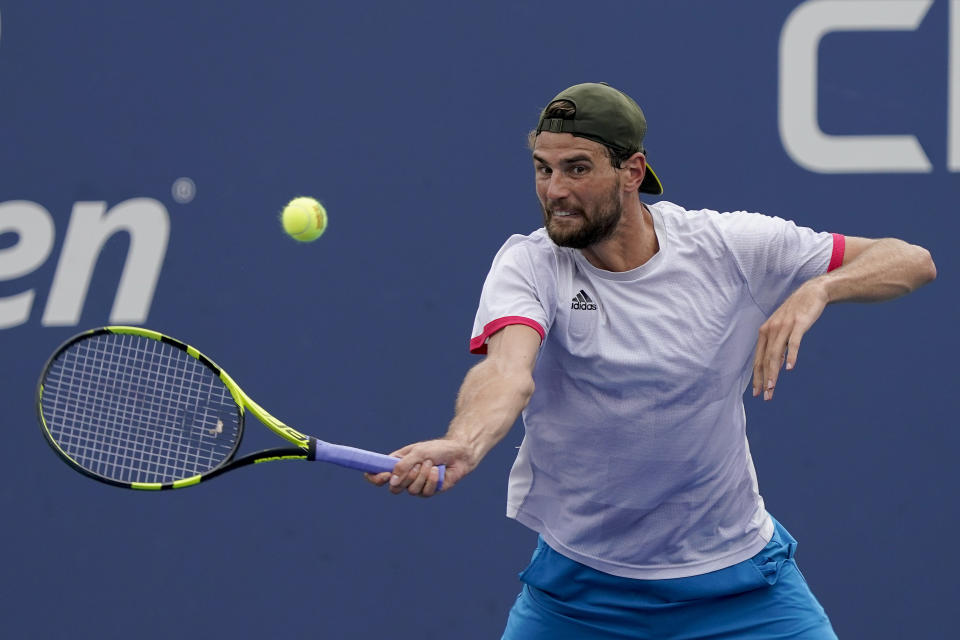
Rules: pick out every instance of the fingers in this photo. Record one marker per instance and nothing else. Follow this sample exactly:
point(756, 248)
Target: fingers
point(405, 473)
point(773, 361)
point(779, 338)
point(414, 473)
point(417, 471)
point(378, 479)
point(399, 481)
point(403, 451)
point(406, 470)
point(776, 345)
point(424, 481)
point(420, 480)
point(793, 348)
point(758, 363)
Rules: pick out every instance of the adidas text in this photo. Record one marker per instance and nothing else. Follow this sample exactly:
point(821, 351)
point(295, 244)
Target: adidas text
point(582, 302)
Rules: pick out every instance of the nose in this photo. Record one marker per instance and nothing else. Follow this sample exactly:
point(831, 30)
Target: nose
point(557, 188)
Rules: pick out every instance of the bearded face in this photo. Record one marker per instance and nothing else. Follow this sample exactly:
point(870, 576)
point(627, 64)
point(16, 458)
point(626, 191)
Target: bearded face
point(578, 224)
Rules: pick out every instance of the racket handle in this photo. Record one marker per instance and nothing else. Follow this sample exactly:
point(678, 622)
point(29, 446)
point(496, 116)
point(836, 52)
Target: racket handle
point(359, 459)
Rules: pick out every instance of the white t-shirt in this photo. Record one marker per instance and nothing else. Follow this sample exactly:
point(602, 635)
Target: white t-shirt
point(635, 458)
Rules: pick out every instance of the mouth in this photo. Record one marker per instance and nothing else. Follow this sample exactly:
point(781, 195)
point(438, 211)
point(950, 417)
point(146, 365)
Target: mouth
point(564, 214)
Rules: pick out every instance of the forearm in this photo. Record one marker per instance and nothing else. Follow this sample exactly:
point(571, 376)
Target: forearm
point(490, 400)
point(887, 269)
point(492, 395)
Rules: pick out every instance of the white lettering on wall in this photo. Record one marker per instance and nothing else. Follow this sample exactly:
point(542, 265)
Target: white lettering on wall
point(953, 103)
point(800, 131)
point(148, 224)
point(34, 227)
point(91, 225)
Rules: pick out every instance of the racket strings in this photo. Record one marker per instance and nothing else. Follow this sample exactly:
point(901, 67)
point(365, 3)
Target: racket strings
point(133, 409)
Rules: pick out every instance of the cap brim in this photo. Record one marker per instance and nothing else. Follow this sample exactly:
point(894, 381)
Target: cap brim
point(651, 183)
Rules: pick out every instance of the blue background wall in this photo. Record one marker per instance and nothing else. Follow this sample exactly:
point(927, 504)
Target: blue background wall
point(408, 121)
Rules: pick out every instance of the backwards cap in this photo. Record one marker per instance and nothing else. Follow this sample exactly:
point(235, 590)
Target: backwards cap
point(605, 115)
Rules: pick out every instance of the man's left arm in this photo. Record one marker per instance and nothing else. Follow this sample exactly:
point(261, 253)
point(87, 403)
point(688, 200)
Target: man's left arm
point(872, 271)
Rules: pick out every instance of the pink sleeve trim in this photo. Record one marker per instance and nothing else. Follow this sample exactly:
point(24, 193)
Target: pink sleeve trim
point(839, 244)
point(479, 344)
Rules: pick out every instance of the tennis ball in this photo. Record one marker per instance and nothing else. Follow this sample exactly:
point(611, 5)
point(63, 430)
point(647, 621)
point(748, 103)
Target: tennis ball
point(304, 219)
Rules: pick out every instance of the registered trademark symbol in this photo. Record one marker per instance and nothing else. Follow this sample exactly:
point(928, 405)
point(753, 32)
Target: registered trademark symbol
point(184, 190)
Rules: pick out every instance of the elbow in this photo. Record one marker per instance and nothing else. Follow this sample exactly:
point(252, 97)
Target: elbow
point(917, 266)
point(526, 387)
point(926, 268)
point(521, 388)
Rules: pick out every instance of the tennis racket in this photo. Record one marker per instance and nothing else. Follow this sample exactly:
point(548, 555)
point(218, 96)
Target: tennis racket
point(135, 408)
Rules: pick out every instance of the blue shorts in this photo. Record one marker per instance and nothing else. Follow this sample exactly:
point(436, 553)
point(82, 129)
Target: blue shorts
point(763, 597)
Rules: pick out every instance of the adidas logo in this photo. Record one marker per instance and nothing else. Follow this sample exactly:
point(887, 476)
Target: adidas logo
point(583, 302)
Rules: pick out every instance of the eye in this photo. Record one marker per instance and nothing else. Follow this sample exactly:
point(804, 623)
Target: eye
point(544, 170)
point(578, 169)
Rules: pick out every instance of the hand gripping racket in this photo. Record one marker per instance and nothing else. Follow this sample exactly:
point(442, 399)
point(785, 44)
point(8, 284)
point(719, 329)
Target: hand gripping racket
point(135, 408)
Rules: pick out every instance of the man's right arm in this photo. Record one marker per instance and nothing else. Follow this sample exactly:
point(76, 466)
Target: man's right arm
point(492, 395)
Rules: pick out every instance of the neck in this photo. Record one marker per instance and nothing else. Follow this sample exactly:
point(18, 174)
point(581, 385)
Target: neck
point(632, 243)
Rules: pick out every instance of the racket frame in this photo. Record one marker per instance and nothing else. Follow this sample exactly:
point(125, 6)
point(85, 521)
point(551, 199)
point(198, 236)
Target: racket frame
point(305, 446)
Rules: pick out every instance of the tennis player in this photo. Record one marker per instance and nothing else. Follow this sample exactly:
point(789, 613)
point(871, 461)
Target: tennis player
point(627, 334)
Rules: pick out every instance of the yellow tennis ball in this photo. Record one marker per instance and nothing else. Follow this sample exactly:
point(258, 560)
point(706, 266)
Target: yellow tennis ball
point(304, 219)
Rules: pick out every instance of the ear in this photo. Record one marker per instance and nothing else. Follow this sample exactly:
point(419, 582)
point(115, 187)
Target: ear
point(634, 169)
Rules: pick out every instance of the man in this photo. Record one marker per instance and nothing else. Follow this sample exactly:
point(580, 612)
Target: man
point(627, 334)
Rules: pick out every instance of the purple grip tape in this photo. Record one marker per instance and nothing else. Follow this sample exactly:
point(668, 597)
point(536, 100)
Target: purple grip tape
point(361, 459)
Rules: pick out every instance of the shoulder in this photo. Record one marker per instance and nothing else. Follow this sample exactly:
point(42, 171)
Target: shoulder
point(720, 225)
point(535, 250)
point(699, 218)
point(680, 220)
point(691, 229)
